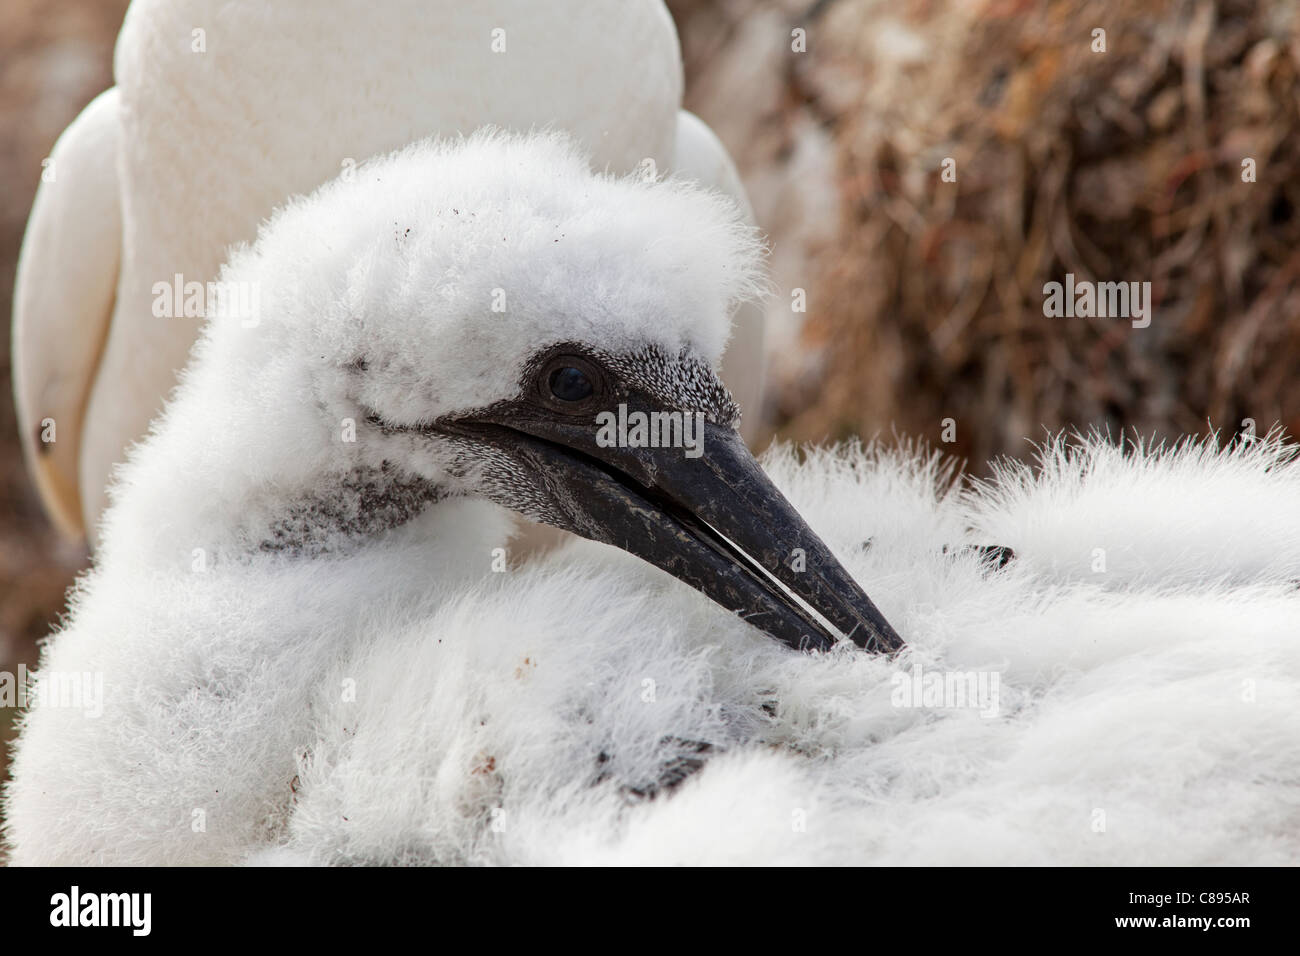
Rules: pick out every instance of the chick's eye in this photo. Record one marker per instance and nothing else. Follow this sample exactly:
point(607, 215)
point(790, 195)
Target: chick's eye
point(569, 384)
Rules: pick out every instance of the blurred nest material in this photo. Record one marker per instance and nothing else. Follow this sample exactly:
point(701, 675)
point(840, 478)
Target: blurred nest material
point(1118, 165)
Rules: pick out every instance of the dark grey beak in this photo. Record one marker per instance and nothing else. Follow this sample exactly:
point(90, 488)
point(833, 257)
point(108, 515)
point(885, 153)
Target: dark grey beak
point(714, 521)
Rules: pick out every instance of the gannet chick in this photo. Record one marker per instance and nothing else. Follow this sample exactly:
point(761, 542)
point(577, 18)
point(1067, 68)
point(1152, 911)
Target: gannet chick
point(460, 328)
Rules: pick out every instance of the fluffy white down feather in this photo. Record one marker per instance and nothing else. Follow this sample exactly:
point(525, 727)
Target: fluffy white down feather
point(1148, 713)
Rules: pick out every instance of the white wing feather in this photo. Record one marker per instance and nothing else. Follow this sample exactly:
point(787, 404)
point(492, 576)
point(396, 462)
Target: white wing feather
point(63, 299)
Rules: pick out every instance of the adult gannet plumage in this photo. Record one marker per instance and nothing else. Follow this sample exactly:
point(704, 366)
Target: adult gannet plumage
point(222, 110)
point(307, 655)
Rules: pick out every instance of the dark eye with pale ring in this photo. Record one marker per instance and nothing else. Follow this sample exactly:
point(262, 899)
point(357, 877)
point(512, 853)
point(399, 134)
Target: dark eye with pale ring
point(569, 384)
